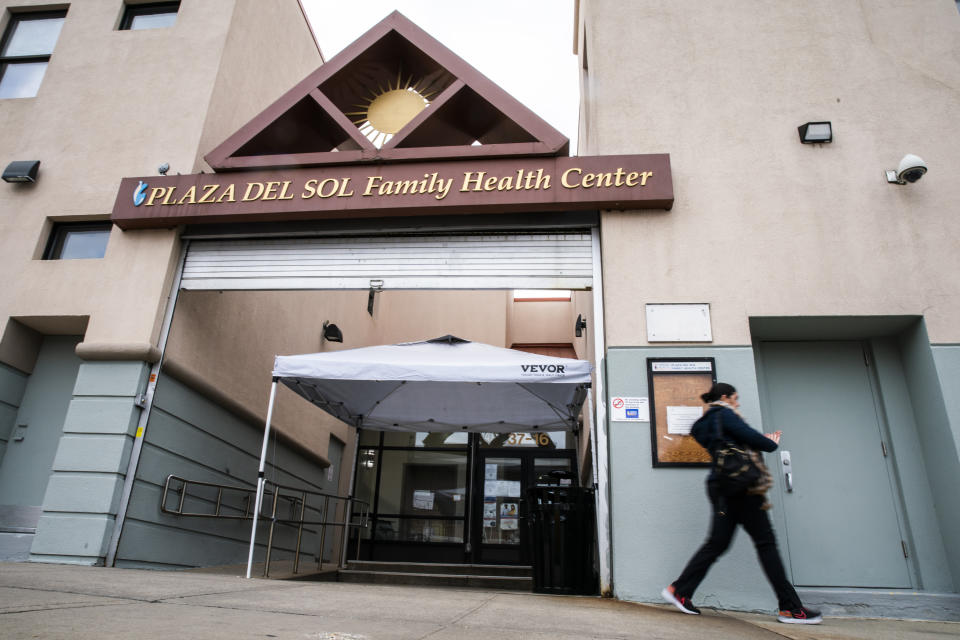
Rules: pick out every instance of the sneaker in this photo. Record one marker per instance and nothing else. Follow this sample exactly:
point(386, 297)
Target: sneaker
point(682, 602)
point(803, 615)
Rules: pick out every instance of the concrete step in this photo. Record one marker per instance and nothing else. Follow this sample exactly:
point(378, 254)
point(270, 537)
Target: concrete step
point(490, 570)
point(507, 583)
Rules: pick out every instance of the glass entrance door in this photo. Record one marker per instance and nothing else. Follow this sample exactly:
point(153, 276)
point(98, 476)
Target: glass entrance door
point(500, 516)
point(502, 493)
point(454, 497)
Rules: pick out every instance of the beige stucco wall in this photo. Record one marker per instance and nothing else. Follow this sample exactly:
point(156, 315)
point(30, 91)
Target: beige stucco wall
point(112, 103)
point(539, 321)
point(268, 50)
point(120, 103)
point(582, 305)
point(763, 225)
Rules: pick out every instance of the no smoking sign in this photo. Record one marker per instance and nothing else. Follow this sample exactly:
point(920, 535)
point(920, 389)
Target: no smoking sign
point(627, 409)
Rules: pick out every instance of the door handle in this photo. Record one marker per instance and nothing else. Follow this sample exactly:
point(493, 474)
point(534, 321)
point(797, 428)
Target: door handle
point(787, 470)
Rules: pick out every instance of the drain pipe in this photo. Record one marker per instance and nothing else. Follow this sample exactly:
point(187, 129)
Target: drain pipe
point(601, 444)
point(145, 404)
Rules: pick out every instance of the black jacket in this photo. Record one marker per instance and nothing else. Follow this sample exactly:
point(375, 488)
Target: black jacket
point(732, 429)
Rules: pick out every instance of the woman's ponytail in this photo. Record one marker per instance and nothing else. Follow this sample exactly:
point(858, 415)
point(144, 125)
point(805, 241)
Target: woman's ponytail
point(717, 391)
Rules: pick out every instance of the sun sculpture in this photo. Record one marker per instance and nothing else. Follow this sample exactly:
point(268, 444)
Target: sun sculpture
point(385, 111)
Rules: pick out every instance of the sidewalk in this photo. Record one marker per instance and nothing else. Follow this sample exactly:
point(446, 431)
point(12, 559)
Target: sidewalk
point(58, 601)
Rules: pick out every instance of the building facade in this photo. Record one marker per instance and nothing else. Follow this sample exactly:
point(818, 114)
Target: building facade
point(111, 96)
point(795, 271)
point(123, 365)
point(832, 298)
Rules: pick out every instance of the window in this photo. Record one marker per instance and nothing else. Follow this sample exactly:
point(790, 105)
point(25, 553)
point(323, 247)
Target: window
point(25, 52)
point(155, 15)
point(71, 240)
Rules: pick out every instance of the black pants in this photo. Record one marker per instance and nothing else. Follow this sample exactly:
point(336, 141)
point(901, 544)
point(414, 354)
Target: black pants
point(744, 510)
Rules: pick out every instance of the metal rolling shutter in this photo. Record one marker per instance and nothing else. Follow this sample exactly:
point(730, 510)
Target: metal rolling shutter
point(463, 261)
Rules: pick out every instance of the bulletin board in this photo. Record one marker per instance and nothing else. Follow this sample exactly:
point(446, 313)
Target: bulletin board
point(675, 386)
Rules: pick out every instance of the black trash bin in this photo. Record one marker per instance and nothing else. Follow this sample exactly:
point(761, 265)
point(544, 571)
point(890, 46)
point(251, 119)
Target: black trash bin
point(562, 539)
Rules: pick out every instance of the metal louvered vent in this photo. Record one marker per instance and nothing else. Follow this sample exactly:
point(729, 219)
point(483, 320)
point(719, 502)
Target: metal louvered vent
point(465, 261)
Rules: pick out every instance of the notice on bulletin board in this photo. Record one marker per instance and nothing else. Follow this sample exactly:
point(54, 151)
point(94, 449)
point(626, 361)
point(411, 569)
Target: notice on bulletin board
point(624, 409)
point(680, 419)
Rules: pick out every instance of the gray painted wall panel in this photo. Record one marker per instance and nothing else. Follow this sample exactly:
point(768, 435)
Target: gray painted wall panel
point(90, 463)
point(83, 493)
point(154, 469)
point(937, 438)
point(947, 360)
point(177, 400)
point(160, 546)
point(168, 433)
point(12, 385)
point(190, 436)
point(659, 517)
point(85, 452)
point(199, 541)
point(78, 535)
point(111, 379)
point(926, 544)
point(15, 547)
point(157, 463)
point(102, 415)
point(25, 468)
point(8, 418)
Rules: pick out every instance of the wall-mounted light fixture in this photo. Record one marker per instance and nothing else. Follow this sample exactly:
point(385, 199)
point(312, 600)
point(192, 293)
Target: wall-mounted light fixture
point(376, 286)
point(21, 171)
point(815, 132)
point(580, 326)
point(331, 332)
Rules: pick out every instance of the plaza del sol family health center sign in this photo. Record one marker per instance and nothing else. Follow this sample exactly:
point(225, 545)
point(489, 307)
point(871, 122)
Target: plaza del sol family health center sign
point(514, 185)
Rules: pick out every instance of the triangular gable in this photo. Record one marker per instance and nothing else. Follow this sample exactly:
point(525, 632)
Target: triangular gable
point(329, 117)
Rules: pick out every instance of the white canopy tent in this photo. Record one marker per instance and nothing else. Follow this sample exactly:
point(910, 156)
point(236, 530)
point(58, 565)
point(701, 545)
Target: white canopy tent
point(444, 384)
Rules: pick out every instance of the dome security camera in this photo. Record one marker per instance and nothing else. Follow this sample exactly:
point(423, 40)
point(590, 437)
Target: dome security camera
point(910, 169)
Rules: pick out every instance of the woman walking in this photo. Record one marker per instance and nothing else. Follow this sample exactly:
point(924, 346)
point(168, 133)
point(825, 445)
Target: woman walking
point(720, 425)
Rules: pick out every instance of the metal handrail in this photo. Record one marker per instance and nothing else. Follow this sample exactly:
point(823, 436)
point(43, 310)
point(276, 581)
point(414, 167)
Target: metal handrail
point(359, 519)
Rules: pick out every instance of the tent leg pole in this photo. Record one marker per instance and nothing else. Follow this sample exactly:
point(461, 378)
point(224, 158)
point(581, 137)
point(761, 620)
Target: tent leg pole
point(260, 476)
point(348, 513)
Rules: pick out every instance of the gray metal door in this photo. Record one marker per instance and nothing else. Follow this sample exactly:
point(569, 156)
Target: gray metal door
point(841, 511)
point(28, 461)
